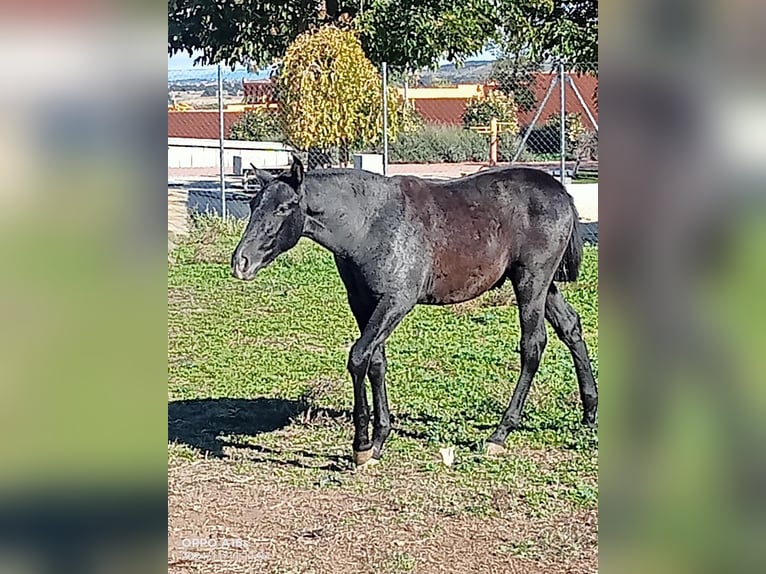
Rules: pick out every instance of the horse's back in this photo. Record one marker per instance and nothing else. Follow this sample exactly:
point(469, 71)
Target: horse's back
point(476, 226)
point(500, 200)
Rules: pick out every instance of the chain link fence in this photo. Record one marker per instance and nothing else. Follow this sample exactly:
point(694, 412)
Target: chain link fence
point(526, 104)
point(222, 123)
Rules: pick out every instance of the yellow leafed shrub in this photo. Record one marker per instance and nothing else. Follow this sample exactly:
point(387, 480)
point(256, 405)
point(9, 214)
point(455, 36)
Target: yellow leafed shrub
point(330, 94)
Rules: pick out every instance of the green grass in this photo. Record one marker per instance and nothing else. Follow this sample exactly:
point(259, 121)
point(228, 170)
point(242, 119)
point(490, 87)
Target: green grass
point(286, 335)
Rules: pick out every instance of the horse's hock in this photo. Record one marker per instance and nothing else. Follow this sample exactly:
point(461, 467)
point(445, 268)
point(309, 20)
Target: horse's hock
point(178, 215)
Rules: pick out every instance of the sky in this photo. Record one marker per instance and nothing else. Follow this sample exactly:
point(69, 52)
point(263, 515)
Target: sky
point(183, 61)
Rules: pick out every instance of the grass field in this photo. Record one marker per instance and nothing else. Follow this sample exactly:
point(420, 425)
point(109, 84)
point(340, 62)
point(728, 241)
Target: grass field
point(260, 428)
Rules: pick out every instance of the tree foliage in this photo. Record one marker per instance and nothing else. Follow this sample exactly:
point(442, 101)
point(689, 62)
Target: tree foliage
point(406, 34)
point(259, 124)
point(574, 128)
point(330, 94)
point(412, 34)
point(552, 29)
point(516, 78)
point(481, 109)
point(238, 31)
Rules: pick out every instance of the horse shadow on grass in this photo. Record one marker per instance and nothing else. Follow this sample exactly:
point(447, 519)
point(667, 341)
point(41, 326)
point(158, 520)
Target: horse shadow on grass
point(210, 425)
point(204, 424)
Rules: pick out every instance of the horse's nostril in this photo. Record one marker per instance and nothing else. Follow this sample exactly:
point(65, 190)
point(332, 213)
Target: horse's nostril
point(242, 263)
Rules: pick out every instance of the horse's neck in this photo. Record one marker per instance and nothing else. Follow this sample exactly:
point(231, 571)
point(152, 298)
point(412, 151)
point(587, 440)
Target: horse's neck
point(333, 216)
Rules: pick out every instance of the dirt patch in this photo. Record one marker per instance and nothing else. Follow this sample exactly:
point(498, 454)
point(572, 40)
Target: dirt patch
point(502, 297)
point(222, 521)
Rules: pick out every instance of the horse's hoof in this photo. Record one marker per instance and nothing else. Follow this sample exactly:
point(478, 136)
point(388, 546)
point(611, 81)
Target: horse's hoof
point(494, 449)
point(362, 457)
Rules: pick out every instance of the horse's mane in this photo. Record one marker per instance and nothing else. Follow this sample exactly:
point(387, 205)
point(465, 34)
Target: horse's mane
point(342, 172)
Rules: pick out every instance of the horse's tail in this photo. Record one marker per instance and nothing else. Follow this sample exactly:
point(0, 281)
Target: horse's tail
point(569, 268)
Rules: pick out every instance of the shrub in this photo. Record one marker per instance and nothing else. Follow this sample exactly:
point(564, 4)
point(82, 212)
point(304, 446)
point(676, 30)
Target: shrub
point(260, 124)
point(481, 109)
point(586, 147)
point(435, 144)
point(330, 94)
point(574, 129)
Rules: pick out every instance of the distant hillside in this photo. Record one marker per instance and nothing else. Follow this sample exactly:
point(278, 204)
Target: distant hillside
point(197, 79)
point(469, 73)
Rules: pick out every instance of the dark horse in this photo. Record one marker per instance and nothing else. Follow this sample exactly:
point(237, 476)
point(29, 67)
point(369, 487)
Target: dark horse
point(401, 241)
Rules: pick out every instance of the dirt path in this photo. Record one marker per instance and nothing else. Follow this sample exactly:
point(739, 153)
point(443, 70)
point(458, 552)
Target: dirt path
point(222, 521)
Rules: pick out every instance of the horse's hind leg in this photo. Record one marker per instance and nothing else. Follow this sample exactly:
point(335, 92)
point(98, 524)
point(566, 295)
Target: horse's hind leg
point(530, 295)
point(566, 322)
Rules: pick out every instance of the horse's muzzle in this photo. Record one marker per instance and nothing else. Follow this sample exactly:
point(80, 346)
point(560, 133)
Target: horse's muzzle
point(242, 268)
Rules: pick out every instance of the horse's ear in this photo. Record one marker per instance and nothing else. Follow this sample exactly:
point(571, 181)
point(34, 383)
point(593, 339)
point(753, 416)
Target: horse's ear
point(263, 176)
point(294, 177)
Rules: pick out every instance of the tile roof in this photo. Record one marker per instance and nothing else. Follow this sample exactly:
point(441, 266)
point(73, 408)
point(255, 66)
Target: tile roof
point(202, 124)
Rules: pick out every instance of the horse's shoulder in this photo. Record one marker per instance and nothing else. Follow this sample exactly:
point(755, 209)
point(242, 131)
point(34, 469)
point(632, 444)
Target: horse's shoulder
point(411, 185)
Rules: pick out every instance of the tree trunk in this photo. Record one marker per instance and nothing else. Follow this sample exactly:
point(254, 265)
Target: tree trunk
point(332, 8)
point(344, 155)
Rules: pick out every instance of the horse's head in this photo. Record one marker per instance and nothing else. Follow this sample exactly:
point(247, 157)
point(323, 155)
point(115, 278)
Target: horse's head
point(276, 222)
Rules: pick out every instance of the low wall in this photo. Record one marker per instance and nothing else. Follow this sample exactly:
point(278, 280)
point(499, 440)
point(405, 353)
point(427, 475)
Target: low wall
point(204, 153)
point(586, 199)
point(178, 214)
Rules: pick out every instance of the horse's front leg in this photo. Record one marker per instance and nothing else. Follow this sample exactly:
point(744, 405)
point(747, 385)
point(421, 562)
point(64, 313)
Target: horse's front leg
point(381, 426)
point(389, 311)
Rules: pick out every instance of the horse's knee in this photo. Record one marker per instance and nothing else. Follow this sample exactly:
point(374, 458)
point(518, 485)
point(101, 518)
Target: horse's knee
point(358, 360)
point(378, 364)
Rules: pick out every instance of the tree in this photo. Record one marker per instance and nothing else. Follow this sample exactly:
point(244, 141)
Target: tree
point(330, 94)
point(551, 29)
point(413, 34)
point(408, 35)
point(516, 78)
point(259, 124)
point(237, 31)
point(481, 109)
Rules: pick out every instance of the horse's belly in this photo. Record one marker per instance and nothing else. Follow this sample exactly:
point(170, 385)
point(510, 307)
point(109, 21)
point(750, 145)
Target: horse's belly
point(457, 279)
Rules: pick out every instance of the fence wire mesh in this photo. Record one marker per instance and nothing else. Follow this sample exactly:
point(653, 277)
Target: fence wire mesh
point(441, 125)
point(525, 101)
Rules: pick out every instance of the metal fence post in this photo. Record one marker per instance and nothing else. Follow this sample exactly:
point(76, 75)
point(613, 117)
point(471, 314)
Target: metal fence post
point(220, 141)
point(580, 99)
point(563, 133)
point(385, 117)
point(538, 113)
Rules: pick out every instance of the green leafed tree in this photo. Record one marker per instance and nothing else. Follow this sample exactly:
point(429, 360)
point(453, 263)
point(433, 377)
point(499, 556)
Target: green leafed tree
point(543, 30)
point(408, 34)
point(516, 78)
point(412, 34)
point(237, 31)
point(481, 109)
point(259, 124)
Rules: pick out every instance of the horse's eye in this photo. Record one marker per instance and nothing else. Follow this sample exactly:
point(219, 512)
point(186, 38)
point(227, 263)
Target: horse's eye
point(282, 209)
